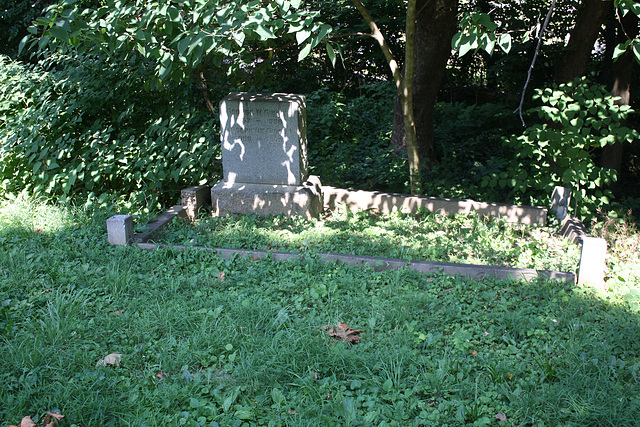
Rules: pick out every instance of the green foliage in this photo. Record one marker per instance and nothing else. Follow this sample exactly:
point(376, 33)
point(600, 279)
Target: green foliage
point(178, 38)
point(15, 17)
point(84, 127)
point(578, 119)
point(478, 32)
point(469, 141)
point(349, 139)
point(626, 6)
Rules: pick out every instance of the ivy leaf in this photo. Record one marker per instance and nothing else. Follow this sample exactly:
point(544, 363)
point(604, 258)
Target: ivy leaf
point(302, 35)
point(620, 49)
point(239, 37)
point(636, 52)
point(264, 33)
point(306, 50)
point(332, 54)
point(505, 42)
point(59, 33)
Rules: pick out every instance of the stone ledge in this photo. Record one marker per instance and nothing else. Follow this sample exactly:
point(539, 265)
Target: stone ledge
point(574, 230)
point(476, 272)
point(386, 202)
point(268, 199)
point(161, 221)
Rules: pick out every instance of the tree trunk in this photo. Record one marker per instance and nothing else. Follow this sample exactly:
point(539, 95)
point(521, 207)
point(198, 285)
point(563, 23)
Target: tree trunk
point(406, 97)
point(577, 54)
point(611, 156)
point(435, 26)
point(403, 85)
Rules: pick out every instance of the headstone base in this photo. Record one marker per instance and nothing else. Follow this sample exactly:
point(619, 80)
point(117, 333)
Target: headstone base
point(268, 199)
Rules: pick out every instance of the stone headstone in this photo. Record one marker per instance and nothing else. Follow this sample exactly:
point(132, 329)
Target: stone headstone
point(264, 138)
point(264, 157)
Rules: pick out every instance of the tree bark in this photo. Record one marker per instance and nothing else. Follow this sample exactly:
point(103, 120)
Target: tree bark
point(577, 54)
point(403, 85)
point(435, 26)
point(622, 70)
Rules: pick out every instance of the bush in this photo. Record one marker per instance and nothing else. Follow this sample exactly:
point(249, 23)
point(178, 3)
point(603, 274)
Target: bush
point(349, 139)
point(469, 142)
point(83, 127)
point(578, 119)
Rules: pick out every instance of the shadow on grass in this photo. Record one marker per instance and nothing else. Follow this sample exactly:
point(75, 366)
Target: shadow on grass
point(208, 339)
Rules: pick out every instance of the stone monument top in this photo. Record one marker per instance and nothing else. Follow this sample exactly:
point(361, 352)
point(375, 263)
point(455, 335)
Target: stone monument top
point(264, 138)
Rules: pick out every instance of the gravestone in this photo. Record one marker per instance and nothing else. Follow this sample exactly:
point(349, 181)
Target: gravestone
point(264, 157)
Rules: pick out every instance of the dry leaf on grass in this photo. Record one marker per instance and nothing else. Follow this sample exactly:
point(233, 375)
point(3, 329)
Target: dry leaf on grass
point(112, 359)
point(26, 422)
point(345, 333)
point(50, 420)
point(220, 276)
point(501, 416)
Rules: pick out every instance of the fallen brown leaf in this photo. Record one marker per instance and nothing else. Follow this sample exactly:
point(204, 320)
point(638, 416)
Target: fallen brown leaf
point(161, 375)
point(26, 422)
point(221, 276)
point(52, 418)
point(501, 416)
point(344, 332)
point(292, 412)
point(112, 359)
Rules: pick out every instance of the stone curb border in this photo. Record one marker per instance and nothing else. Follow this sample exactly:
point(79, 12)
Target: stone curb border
point(387, 202)
point(120, 232)
point(470, 271)
point(593, 252)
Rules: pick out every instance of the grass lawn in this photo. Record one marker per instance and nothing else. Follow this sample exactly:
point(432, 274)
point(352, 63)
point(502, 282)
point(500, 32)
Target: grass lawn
point(461, 238)
point(210, 342)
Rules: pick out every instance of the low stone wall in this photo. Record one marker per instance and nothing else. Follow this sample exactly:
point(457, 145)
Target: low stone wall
point(387, 202)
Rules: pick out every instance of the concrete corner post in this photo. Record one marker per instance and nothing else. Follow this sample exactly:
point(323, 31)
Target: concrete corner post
point(194, 199)
point(592, 262)
point(120, 229)
point(560, 199)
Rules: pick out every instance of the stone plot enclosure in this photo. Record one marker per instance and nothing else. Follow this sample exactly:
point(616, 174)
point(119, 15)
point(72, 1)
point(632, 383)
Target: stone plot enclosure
point(120, 232)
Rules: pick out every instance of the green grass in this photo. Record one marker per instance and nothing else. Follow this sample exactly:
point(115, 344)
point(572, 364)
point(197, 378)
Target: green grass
point(462, 238)
point(246, 348)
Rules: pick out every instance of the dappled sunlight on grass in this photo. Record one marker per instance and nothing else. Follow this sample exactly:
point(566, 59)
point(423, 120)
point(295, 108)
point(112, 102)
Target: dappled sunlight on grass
point(36, 216)
point(462, 239)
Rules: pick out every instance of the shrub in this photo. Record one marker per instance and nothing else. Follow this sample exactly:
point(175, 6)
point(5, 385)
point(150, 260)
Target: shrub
point(83, 127)
point(469, 142)
point(578, 119)
point(349, 139)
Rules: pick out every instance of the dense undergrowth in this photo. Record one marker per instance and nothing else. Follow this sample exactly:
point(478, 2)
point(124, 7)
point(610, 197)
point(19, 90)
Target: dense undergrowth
point(206, 341)
point(75, 127)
